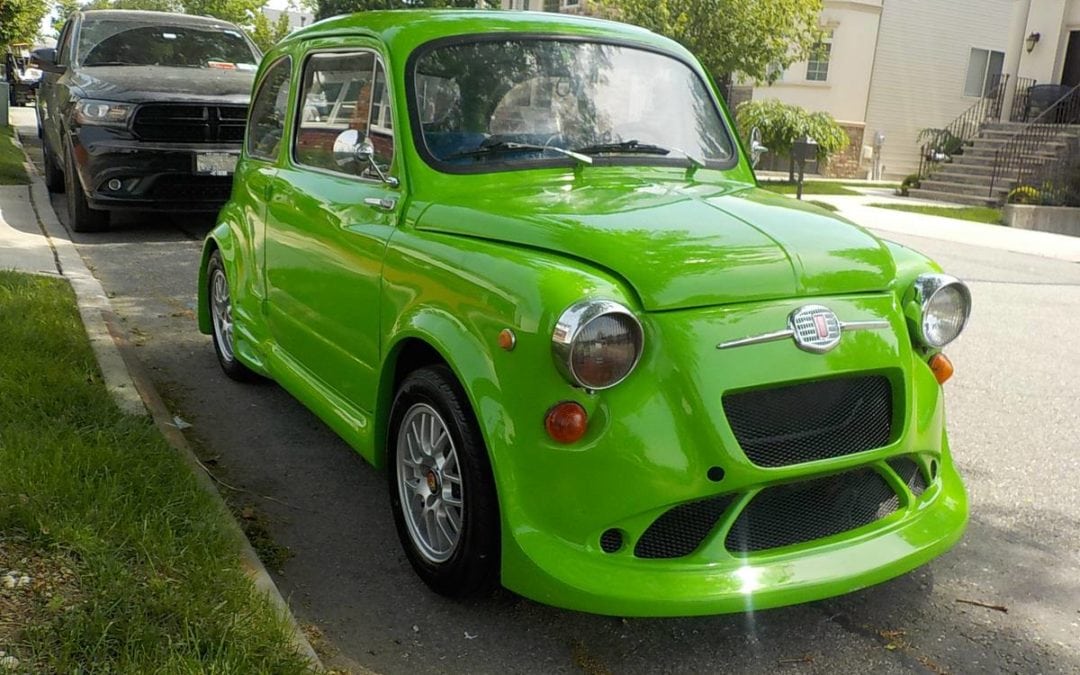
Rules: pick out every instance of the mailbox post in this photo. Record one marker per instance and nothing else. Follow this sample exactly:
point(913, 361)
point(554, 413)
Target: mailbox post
point(802, 150)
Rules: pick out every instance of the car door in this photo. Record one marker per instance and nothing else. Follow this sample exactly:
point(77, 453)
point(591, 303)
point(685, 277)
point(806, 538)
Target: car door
point(253, 182)
point(54, 90)
point(329, 220)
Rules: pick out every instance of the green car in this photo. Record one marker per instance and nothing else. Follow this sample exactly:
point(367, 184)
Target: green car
point(521, 262)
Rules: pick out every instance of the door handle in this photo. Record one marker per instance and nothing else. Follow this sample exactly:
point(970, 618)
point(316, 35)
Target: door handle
point(384, 204)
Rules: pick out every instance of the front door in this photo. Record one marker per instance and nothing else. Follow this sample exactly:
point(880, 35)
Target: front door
point(329, 220)
point(1070, 75)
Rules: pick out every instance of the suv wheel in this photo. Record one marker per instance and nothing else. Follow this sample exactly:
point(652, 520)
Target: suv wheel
point(80, 215)
point(54, 176)
point(441, 487)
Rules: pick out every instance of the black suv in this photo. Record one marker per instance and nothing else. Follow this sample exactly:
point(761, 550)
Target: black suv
point(143, 110)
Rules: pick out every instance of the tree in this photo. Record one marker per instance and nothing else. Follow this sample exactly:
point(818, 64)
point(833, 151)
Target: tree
point(20, 20)
point(325, 8)
point(754, 38)
point(265, 34)
point(781, 124)
point(63, 10)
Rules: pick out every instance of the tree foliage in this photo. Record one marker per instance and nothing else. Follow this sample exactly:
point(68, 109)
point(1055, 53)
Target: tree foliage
point(781, 124)
point(731, 37)
point(241, 12)
point(20, 20)
point(325, 8)
point(266, 34)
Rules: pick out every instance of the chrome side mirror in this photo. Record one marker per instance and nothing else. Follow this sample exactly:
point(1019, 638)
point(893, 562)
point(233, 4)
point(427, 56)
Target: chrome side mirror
point(756, 148)
point(349, 147)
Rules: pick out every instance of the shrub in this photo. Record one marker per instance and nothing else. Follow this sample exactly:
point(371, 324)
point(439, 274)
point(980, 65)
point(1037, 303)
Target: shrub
point(913, 181)
point(1024, 194)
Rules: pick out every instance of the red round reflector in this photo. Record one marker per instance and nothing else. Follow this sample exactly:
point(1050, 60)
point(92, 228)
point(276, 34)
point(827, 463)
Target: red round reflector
point(567, 422)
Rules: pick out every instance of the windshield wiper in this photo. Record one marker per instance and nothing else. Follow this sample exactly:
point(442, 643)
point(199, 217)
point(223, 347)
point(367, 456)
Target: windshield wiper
point(625, 147)
point(110, 63)
point(510, 146)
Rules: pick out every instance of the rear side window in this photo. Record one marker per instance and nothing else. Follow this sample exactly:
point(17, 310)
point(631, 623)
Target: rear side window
point(266, 125)
point(343, 91)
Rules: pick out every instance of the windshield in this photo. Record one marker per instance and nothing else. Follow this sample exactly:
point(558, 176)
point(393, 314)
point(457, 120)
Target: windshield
point(492, 105)
point(129, 43)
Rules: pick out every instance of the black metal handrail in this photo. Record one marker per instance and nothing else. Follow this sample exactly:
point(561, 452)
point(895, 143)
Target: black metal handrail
point(962, 131)
point(1021, 96)
point(1055, 182)
point(1021, 153)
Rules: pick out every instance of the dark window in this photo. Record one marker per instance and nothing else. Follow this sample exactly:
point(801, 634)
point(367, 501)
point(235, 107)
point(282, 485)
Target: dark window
point(64, 49)
point(267, 121)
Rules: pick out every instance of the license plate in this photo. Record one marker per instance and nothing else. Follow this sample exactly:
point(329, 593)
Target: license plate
point(215, 163)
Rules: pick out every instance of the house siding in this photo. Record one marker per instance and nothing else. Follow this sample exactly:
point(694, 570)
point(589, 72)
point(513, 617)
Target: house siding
point(920, 66)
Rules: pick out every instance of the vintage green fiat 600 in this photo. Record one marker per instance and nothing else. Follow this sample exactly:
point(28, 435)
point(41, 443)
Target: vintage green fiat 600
point(521, 261)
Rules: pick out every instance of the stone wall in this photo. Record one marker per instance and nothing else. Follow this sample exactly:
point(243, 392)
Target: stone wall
point(848, 162)
point(1056, 219)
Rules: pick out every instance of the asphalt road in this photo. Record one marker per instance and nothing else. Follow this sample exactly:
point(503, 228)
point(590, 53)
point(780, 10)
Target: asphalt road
point(1014, 427)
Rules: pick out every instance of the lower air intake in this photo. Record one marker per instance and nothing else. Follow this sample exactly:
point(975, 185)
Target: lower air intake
point(680, 531)
point(799, 512)
point(909, 472)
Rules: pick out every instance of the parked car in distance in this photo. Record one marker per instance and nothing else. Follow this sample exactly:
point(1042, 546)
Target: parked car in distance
point(522, 262)
point(143, 111)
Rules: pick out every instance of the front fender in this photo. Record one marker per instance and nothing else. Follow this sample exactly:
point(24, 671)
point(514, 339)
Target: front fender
point(219, 239)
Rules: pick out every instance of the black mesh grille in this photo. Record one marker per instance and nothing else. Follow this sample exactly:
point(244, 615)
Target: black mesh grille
point(813, 420)
point(909, 472)
point(800, 512)
point(185, 123)
point(680, 530)
point(611, 541)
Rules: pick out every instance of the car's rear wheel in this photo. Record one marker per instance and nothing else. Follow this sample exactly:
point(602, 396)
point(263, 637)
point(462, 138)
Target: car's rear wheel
point(219, 297)
point(80, 215)
point(441, 485)
point(54, 176)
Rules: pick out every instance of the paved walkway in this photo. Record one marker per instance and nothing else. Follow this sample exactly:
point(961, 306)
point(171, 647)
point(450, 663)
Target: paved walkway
point(22, 245)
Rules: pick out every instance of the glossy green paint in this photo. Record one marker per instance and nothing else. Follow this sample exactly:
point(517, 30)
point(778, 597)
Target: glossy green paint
point(331, 294)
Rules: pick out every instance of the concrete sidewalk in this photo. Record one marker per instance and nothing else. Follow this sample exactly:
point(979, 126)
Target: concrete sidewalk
point(23, 246)
point(885, 221)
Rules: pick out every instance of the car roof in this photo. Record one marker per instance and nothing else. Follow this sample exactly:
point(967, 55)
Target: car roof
point(162, 18)
point(404, 30)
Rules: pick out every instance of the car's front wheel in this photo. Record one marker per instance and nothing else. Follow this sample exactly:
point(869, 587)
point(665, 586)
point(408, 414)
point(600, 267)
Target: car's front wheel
point(441, 485)
point(54, 176)
point(219, 298)
point(80, 215)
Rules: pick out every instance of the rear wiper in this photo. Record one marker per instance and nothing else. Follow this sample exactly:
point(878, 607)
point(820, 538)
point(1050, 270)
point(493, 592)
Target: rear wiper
point(510, 146)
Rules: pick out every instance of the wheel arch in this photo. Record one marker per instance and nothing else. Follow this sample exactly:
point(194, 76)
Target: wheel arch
point(219, 239)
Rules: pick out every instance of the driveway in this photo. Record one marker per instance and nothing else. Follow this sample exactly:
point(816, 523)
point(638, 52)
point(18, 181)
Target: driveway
point(1014, 425)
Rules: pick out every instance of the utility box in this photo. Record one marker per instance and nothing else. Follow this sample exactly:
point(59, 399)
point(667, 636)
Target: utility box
point(5, 97)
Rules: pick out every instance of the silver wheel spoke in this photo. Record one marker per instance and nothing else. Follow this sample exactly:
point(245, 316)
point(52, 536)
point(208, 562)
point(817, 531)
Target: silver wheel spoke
point(429, 483)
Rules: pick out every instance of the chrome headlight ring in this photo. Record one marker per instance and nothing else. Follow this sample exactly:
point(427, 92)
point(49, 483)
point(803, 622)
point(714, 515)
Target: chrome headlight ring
point(569, 328)
point(925, 291)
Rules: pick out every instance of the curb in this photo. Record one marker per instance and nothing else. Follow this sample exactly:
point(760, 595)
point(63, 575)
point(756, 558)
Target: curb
point(131, 387)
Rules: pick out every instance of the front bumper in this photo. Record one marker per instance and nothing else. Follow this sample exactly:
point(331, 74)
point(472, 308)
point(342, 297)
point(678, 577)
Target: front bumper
point(656, 440)
point(154, 176)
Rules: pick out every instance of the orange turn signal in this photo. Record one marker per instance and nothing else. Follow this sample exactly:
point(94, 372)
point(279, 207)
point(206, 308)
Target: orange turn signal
point(942, 368)
point(567, 422)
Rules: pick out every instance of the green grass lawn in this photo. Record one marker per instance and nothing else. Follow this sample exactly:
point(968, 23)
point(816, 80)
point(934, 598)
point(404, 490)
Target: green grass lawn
point(131, 566)
point(12, 171)
point(810, 187)
point(977, 214)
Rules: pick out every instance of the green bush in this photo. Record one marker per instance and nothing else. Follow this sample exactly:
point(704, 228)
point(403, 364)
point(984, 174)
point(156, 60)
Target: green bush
point(913, 181)
point(781, 124)
point(1024, 194)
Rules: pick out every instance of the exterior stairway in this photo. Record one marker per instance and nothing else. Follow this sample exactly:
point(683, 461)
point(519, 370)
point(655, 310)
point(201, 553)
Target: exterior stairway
point(967, 179)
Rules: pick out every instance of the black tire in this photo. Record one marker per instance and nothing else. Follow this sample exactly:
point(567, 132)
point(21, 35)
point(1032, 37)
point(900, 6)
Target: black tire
point(81, 217)
point(223, 343)
point(473, 566)
point(54, 176)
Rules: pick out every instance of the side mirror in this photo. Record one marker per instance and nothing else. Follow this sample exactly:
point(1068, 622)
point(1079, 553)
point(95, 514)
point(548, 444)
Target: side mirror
point(349, 147)
point(756, 148)
point(45, 59)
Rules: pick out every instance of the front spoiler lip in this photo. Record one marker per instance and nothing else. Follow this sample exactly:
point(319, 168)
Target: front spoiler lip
point(584, 581)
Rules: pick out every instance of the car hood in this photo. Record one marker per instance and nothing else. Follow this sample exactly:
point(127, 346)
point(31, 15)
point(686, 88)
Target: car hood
point(139, 84)
point(682, 244)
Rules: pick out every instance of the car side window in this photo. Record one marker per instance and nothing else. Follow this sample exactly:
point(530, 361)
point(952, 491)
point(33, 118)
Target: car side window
point(266, 123)
point(63, 54)
point(342, 92)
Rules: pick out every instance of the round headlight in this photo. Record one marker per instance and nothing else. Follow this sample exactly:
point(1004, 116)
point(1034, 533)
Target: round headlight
point(944, 307)
point(597, 343)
